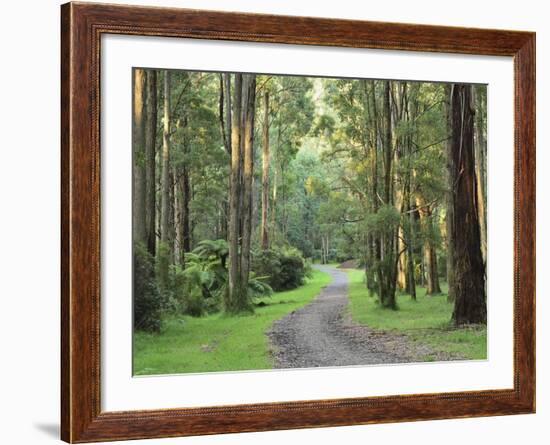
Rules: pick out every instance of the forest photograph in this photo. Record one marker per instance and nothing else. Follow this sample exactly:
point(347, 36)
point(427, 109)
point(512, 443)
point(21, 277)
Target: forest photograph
point(297, 222)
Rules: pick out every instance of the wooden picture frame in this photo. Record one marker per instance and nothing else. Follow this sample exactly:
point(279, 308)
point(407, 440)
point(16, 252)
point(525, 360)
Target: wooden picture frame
point(82, 25)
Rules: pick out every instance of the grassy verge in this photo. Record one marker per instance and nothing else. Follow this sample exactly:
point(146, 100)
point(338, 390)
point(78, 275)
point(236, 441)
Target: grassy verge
point(217, 342)
point(425, 320)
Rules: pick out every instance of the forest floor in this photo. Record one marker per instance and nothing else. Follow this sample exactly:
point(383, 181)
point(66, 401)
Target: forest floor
point(323, 334)
point(424, 321)
point(329, 321)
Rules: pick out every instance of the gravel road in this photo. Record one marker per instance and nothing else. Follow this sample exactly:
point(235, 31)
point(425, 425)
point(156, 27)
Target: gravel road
point(322, 334)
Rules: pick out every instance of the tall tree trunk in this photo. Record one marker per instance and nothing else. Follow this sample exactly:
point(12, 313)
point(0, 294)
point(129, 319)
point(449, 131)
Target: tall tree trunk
point(249, 101)
point(172, 216)
point(228, 138)
point(402, 261)
point(388, 155)
point(430, 255)
point(177, 225)
point(470, 300)
point(411, 282)
point(274, 196)
point(449, 198)
point(183, 229)
point(432, 278)
point(399, 96)
point(283, 219)
point(185, 213)
point(228, 118)
point(411, 232)
point(150, 165)
point(376, 249)
point(387, 268)
point(185, 195)
point(411, 239)
point(265, 175)
point(234, 283)
point(480, 149)
point(225, 138)
point(139, 211)
point(165, 176)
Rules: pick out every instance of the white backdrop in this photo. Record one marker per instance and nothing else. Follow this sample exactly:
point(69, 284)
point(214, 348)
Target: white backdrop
point(121, 392)
point(29, 235)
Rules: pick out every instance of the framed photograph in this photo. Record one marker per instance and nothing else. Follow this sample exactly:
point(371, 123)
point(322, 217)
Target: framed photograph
point(274, 222)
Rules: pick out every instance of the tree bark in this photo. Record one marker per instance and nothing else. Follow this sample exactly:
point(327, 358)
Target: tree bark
point(387, 145)
point(400, 191)
point(184, 187)
point(228, 130)
point(470, 299)
point(249, 101)
point(150, 165)
point(387, 268)
point(480, 150)
point(185, 213)
point(234, 282)
point(172, 216)
point(165, 176)
point(139, 210)
point(226, 140)
point(176, 223)
point(376, 249)
point(402, 261)
point(430, 255)
point(228, 118)
point(265, 175)
point(411, 282)
point(274, 194)
point(449, 215)
point(411, 240)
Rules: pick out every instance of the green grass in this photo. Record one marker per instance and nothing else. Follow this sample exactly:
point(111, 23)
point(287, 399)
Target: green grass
point(426, 320)
point(217, 342)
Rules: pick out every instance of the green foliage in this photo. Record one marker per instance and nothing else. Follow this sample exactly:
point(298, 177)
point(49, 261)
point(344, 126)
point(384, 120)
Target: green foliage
point(197, 146)
point(148, 301)
point(216, 342)
point(285, 268)
point(213, 249)
point(198, 287)
point(195, 288)
point(386, 220)
point(259, 288)
point(205, 277)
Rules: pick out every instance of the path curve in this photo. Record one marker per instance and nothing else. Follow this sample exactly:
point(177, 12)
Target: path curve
point(322, 334)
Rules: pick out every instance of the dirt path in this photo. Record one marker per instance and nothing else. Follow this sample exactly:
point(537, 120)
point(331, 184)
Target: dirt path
point(322, 334)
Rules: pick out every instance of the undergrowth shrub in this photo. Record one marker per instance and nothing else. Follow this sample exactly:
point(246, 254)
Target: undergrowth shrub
point(285, 268)
point(148, 300)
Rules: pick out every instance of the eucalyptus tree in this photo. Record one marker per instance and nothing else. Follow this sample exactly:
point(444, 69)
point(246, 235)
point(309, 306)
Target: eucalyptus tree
point(150, 158)
point(240, 196)
point(138, 140)
point(470, 299)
